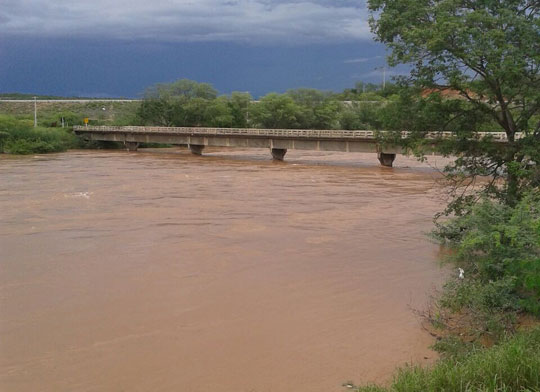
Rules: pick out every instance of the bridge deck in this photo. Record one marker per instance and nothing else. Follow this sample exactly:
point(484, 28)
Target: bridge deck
point(277, 140)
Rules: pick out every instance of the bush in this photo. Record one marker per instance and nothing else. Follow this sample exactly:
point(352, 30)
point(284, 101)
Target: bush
point(485, 309)
point(512, 365)
point(498, 246)
point(21, 137)
point(23, 146)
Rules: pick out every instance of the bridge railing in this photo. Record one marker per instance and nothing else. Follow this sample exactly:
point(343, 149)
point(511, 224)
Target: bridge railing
point(286, 133)
point(307, 133)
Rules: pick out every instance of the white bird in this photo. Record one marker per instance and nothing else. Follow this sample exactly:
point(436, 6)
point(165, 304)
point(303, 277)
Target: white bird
point(461, 273)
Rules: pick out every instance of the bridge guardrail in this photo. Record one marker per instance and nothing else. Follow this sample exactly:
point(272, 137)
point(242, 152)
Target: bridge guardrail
point(288, 133)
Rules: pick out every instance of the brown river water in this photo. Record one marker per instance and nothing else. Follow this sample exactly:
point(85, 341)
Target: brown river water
point(164, 271)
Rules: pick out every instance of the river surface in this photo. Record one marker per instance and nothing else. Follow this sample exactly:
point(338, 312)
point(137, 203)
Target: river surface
point(164, 271)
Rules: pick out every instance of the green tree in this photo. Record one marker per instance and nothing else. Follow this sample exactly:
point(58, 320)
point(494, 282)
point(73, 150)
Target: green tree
point(181, 103)
point(361, 87)
point(318, 109)
point(360, 115)
point(488, 52)
point(219, 113)
point(308, 96)
point(239, 104)
point(276, 111)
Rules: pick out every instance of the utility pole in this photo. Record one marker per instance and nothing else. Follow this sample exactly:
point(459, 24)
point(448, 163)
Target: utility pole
point(35, 112)
point(247, 108)
point(384, 76)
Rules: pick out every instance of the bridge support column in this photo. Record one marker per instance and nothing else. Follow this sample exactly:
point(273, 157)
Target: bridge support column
point(278, 153)
point(131, 146)
point(196, 149)
point(386, 159)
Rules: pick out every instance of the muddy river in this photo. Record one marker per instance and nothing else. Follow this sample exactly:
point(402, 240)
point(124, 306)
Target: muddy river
point(164, 271)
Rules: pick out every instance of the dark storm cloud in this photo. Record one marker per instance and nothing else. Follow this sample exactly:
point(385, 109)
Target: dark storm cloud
point(250, 21)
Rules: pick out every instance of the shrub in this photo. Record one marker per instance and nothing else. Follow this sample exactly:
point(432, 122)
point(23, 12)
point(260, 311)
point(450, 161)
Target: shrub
point(23, 146)
point(498, 246)
point(21, 137)
point(489, 309)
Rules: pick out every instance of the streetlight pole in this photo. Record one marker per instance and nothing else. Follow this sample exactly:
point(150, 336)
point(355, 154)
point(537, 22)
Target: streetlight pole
point(35, 112)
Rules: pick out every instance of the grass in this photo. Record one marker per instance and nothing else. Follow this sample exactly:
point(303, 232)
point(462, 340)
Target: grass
point(512, 365)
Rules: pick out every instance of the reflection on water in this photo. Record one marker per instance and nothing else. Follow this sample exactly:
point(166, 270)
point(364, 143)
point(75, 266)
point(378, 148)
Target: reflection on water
point(163, 271)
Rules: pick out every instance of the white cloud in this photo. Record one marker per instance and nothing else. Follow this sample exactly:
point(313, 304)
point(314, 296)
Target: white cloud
point(251, 21)
point(361, 60)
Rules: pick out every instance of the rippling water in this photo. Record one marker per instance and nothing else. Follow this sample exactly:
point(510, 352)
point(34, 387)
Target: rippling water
point(163, 271)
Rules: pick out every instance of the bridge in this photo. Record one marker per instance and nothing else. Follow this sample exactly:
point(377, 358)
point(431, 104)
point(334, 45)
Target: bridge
point(278, 141)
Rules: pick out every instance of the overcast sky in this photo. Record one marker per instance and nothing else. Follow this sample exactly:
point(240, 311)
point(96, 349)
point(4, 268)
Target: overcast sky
point(118, 47)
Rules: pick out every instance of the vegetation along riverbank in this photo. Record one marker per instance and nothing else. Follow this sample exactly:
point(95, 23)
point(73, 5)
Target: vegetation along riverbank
point(485, 315)
point(19, 136)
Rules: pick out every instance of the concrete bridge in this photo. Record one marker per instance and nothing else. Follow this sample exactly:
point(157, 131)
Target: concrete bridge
point(277, 140)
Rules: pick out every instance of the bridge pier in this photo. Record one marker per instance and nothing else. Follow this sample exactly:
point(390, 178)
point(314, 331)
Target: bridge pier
point(386, 159)
point(196, 149)
point(131, 146)
point(278, 153)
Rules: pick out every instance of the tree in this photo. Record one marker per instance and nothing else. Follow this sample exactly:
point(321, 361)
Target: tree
point(239, 104)
point(276, 111)
point(488, 51)
point(181, 103)
point(318, 109)
point(360, 115)
point(219, 113)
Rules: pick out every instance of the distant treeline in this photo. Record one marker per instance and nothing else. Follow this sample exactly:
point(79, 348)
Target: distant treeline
point(366, 107)
point(188, 103)
point(185, 102)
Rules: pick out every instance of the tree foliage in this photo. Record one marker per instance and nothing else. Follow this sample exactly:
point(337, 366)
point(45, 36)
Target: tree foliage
point(276, 111)
point(188, 103)
point(498, 246)
point(488, 52)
